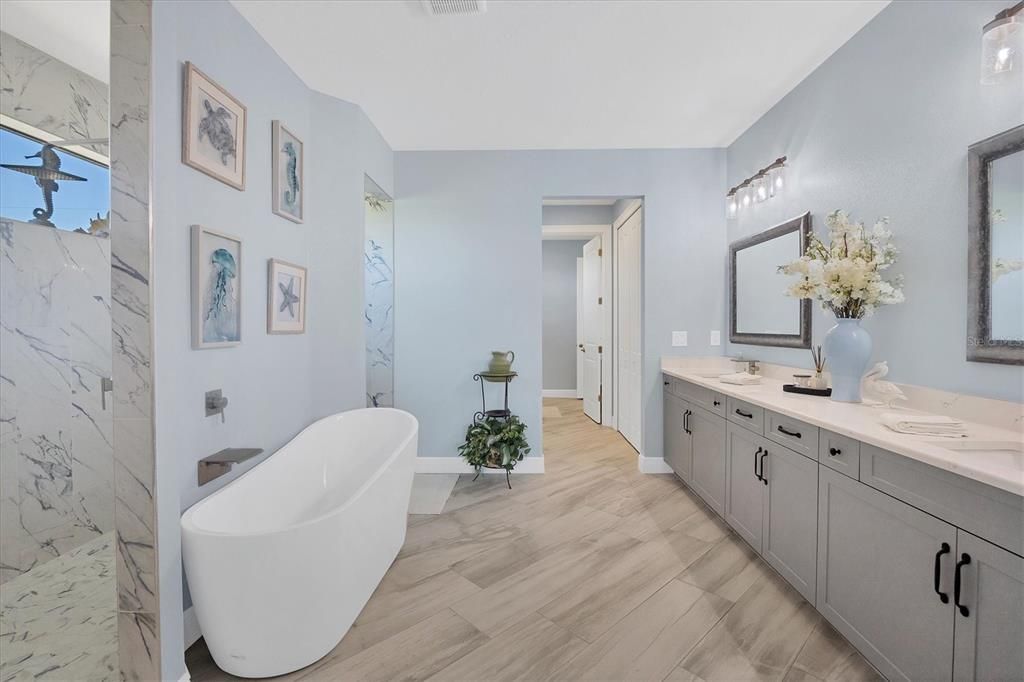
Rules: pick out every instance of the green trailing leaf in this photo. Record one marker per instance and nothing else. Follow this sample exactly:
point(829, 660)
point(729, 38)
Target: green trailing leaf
point(495, 443)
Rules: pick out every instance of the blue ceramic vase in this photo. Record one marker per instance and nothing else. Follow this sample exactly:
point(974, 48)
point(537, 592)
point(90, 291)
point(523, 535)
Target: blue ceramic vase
point(848, 349)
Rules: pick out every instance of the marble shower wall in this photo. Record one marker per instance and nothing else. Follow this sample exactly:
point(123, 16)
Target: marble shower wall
point(56, 451)
point(134, 454)
point(380, 300)
point(49, 95)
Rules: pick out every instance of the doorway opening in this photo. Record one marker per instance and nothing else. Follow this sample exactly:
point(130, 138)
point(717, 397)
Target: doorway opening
point(592, 302)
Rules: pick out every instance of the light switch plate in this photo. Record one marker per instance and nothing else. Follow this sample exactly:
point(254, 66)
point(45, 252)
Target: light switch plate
point(679, 338)
point(716, 337)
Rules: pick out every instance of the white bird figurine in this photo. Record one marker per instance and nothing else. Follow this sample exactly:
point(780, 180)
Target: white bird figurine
point(878, 391)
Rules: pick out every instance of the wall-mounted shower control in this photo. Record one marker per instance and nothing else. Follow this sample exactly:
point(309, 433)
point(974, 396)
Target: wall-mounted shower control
point(216, 402)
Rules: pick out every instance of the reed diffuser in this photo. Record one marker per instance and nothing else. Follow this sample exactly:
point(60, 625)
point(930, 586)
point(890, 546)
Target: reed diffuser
point(819, 366)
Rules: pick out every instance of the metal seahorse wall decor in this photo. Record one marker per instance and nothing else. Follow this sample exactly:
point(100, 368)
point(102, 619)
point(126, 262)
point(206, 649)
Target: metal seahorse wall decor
point(46, 176)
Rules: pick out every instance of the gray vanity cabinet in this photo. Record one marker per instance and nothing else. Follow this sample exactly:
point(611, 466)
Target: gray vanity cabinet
point(790, 542)
point(745, 493)
point(707, 445)
point(989, 629)
point(677, 440)
point(876, 567)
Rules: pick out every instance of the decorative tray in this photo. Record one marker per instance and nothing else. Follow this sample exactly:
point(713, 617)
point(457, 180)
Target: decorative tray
point(793, 388)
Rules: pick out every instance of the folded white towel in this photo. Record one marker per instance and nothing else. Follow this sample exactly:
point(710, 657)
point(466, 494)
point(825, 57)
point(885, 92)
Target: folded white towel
point(741, 379)
point(924, 425)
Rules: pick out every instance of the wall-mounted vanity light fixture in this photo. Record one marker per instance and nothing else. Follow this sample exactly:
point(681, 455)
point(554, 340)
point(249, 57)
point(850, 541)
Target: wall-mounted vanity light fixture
point(1002, 45)
point(763, 185)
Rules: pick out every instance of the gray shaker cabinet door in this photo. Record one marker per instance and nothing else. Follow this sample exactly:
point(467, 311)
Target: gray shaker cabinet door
point(707, 435)
point(876, 557)
point(990, 637)
point(745, 491)
point(677, 441)
point(791, 518)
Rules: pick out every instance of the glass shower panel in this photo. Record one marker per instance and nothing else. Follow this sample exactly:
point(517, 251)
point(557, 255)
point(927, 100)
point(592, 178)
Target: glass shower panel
point(58, 606)
point(380, 296)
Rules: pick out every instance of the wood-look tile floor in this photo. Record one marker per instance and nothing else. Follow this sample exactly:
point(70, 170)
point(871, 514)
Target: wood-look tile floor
point(591, 571)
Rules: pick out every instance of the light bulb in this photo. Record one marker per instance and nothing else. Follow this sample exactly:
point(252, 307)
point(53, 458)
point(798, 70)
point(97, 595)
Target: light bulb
point(1002, 42)
point(731, 204)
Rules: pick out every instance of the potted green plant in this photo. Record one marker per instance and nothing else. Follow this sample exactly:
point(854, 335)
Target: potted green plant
point(495, 443)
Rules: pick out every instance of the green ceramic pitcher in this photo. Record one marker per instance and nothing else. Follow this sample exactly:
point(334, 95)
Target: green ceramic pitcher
point(501, 361)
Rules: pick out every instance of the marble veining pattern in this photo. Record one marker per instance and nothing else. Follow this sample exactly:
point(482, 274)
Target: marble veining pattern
point(134, 454)
point(379, 311)
point(58, 621)
point(48, 94)
point(56, 443)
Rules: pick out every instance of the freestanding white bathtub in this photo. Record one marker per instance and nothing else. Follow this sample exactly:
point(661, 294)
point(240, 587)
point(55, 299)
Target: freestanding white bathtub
point(281, 561)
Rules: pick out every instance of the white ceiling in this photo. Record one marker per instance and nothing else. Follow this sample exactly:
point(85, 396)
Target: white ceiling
point(556, 74)
point(77, 32)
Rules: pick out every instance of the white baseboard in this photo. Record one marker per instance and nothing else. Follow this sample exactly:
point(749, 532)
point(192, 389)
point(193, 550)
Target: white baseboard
point(457, 465)
point(653, 465)
point(192, 631)
point(559, 393)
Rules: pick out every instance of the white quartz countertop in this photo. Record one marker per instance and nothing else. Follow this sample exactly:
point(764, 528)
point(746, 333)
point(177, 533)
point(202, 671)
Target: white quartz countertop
point(1004, 470)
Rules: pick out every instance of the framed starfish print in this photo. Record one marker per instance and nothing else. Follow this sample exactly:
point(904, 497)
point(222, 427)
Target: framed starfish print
point(286, 298)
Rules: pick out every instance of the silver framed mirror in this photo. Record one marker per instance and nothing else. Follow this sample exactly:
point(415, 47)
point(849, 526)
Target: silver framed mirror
point(760, 311)
point(995, 265)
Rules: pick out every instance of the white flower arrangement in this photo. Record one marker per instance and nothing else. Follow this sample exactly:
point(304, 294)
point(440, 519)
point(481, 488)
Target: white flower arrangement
point(845, 275)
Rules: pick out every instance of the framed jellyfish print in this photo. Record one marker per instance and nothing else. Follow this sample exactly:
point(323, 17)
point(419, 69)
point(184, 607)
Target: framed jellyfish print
point(216, 289)
point(288, 181)
point(286, 298)
point(213, 129)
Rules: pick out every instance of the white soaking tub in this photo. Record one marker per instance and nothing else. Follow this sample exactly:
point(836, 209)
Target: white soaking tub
point(281, 561)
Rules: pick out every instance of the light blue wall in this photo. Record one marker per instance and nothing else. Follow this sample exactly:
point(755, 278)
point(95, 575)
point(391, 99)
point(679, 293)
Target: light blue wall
point(468, 229)
point(882, 128)
point(577, 215)
point(559, 335)
point(276, 384)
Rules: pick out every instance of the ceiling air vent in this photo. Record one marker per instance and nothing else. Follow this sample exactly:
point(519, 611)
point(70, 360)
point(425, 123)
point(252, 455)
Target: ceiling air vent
point(441, 8)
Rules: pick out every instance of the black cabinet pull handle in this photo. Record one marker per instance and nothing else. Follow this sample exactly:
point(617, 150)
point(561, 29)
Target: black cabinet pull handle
point(834, 452)
point(744, 414)
point(965, 559)
point(794, 434)
point(764, 479)
point(666, 383)
point(686, 421)
point(716, 403)
point(943, 597)
point(755, 463)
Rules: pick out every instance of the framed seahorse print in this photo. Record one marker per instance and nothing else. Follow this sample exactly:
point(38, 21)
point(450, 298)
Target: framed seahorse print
point(213, 129)
point(289, 183)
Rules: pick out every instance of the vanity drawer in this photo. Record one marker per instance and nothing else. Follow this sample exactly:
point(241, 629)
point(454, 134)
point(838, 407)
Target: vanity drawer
point(840, 453)
point(702, 397)
point(796, 435)
point(745, 414)
point(990, 513)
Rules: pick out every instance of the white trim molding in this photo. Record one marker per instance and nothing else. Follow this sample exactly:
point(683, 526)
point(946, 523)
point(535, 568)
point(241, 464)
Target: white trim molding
point(457, 465)
point(653, 465)
point(191, 626)
point(559, 393)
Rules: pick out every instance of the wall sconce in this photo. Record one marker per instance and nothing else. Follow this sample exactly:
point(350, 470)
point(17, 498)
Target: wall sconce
point(761, 186)
point(1002, 41)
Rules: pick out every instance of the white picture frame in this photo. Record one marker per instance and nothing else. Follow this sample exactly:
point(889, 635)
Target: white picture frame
point(289, 181)
point(286, 297)
point(213, 129)
point(216, 289)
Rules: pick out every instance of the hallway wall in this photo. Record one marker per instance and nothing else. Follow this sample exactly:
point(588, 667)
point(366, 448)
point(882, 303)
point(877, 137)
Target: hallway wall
point(559, 316)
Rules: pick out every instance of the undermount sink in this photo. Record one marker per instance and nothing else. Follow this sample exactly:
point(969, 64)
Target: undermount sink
point(1011, 452)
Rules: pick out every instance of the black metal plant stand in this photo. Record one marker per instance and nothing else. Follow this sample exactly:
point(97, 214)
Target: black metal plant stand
point(483, 413)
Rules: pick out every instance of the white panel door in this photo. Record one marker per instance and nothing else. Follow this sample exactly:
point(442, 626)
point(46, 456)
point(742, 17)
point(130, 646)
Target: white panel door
point(580, 355)
point(627, 249)
point(592, 329)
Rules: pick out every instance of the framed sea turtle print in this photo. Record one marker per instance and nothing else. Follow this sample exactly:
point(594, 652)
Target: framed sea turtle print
point(289, 182)
point(286, 298)
point(213, 129)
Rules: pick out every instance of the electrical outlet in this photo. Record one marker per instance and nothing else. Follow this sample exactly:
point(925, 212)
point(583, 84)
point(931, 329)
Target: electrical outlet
point(679, 338)
point(716, 337)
